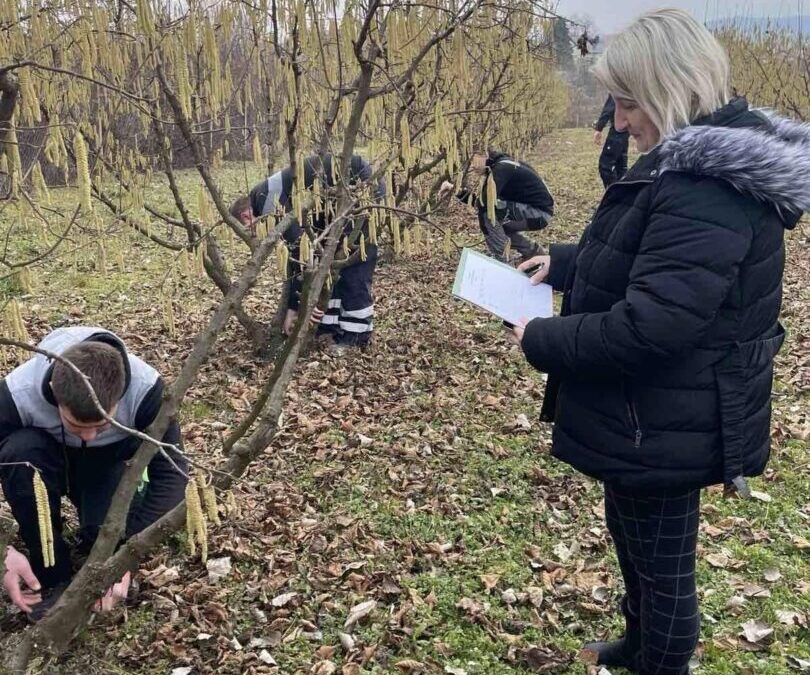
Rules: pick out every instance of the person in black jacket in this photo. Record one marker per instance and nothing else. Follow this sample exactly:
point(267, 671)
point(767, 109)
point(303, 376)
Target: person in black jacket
point(613, 158)
point(661, 363)
point(523, 202)
point(349, 318)
point(49, 423)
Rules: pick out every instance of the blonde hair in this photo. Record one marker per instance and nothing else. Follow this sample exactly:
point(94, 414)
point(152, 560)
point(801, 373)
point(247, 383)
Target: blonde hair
point(670, 65)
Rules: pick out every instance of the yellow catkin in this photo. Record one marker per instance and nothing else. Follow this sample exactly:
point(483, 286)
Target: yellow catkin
point(363, 255)
point(199, 259)
point(305, 249)
point(316, 196)
point(40, 186)
point(15, 322)
point(101, 259)
point(204, 207)
point(195, 521)
point(257, 150)
point(44, 521)
point(282, 258)
point(405, 133)
point(448, 244)
point(209, 499)
point(395, 235)
point(492, 197)
point(507, 250)
point(231, 506)
point(346, 251)
point(372, 227)
point(82, 171)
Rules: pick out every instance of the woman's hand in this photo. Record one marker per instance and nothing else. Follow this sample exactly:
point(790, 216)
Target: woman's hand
point(542, 262)
point(517, 331)
point(597, 138)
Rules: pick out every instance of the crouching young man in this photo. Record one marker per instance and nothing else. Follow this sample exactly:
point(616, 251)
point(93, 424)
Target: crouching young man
point(523, 203)
point(349, 318)
point(49, 422)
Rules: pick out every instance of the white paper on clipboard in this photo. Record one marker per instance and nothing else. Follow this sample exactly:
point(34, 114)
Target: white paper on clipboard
point(500, 289)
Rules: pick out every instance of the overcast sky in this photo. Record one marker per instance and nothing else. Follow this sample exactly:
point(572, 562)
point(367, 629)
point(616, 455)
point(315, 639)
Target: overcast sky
point(610, 15)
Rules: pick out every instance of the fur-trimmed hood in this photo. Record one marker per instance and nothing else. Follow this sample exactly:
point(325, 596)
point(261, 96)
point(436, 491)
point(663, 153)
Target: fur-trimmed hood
point(759, 153)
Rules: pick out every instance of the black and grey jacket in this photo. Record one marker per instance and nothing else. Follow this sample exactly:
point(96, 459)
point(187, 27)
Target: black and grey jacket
point(661, 363)
point(26, 400)
point(275, 193)
point(514, 182)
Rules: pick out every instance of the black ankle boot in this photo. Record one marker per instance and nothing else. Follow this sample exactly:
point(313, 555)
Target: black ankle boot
point(624, 652)
point(620, 653)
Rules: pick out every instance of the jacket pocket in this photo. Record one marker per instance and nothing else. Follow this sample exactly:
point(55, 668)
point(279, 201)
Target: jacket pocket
point(632, 416)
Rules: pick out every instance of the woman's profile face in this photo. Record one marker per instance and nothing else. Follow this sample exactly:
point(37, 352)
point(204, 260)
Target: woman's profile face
point(631, 118)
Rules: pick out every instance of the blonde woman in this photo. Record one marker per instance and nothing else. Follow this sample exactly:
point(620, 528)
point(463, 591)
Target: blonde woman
point(661, 365)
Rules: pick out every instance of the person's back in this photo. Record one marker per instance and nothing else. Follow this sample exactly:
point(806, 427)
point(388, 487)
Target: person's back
point(349, 318)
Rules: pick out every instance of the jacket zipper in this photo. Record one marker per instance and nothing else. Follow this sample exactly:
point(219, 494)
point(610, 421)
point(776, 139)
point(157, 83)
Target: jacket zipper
point(631, 411)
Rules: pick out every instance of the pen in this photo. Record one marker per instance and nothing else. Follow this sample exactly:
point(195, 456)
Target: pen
point(534, 269)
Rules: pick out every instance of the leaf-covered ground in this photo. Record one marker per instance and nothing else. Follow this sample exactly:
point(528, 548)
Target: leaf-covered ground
point(409, 517)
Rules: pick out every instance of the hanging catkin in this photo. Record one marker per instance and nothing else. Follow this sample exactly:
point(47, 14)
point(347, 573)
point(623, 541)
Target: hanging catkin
point(44, 521)
point(492, 197)
point(82, 171)
point(363, 255)
point(209, 499)
point(305, 249)
point(282, 258)
point(196, 530)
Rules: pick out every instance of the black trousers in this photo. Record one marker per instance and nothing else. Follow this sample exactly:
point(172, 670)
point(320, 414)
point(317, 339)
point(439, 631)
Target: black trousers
point(613, 159)
point(85, 475)
point(349, 318)
point(656, 541)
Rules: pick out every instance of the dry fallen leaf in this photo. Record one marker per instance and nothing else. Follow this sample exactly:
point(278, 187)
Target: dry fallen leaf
point(772, 574)
point(323, 668)
point(755, 630)
point(283, 599)
point(490, 581)
point(790, 617)
point(218, 568)
point(761, 496)
point(359, 612)
point(720, 560)
point(544, 660)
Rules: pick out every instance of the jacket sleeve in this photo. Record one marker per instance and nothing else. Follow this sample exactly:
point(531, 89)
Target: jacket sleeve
point(166, 486)
point(606, 116)
point(9, 415)
point(687, 261)
point(562, 257)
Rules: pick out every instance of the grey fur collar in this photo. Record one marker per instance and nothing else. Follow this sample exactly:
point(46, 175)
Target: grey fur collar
point(770, 161)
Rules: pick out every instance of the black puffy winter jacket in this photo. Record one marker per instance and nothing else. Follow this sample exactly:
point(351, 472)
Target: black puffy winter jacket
point(661, 364)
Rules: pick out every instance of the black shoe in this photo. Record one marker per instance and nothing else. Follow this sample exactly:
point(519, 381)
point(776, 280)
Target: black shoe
point(618, 653)
point(49, 597)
